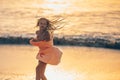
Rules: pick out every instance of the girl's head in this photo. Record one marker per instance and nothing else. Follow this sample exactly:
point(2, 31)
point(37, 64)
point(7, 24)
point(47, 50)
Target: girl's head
point(46, 24)
point(43, 24)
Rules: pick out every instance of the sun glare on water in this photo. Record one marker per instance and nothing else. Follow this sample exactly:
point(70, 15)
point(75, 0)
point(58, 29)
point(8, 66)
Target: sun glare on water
point(55, 0)
point(56, 6)
point(53, 6)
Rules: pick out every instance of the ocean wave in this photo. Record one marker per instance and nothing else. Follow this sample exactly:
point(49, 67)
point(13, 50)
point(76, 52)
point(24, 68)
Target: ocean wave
point(90, 39)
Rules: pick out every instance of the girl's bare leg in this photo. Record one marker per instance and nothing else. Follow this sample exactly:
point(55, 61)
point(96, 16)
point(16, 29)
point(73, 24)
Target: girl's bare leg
point(43, 71)
point(40, 70)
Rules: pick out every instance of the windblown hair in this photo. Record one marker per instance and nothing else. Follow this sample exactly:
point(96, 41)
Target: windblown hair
point(53, 24)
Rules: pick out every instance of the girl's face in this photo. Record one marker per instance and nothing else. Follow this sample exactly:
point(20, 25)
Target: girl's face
point(42, 24)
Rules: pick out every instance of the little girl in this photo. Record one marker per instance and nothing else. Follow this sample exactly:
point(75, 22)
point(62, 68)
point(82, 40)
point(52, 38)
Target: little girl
point(48, 53)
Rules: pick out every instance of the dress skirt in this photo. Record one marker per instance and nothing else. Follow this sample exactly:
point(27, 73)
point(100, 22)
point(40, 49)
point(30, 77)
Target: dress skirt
point(51, 55)
point(48, 53)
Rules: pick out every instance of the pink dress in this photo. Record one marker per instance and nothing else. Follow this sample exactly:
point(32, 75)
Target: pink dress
point(48, 53)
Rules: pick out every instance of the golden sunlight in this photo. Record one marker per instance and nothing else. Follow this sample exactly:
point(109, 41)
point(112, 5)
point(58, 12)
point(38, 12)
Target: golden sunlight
point(58, 1)
point(57, 7)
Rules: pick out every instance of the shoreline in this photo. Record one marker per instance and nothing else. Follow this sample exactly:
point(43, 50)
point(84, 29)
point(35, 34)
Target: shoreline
point(71, 40)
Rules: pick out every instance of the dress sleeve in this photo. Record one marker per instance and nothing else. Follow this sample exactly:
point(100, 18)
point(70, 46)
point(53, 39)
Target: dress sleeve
point(35, 43)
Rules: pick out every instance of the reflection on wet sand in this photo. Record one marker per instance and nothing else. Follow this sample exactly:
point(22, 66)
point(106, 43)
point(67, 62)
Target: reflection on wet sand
point(78, 63)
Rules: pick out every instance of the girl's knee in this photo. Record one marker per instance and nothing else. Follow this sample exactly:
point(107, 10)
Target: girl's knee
point(38, 68)
point(42, 75)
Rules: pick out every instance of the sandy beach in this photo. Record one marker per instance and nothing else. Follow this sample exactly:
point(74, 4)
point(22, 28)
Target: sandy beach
point(78, 63)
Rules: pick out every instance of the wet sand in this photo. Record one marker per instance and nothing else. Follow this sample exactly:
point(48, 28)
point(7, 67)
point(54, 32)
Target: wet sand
point(78, 63)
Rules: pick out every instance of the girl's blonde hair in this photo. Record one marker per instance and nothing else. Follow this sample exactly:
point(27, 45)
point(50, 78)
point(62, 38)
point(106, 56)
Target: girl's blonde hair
point(51, 25)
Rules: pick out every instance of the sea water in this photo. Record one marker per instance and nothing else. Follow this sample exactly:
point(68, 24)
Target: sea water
point(81, 16)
